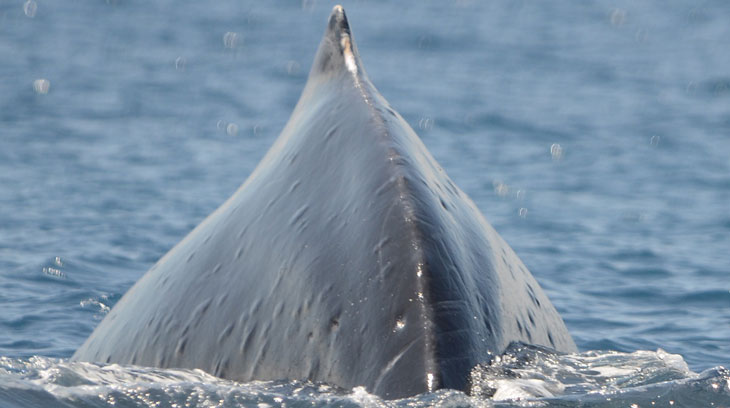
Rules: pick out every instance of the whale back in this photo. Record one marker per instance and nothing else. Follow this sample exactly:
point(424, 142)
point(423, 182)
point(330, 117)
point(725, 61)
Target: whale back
point(348, 256)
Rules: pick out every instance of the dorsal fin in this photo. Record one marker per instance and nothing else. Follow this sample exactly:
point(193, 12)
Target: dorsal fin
point(337, 52)
point(348, 257)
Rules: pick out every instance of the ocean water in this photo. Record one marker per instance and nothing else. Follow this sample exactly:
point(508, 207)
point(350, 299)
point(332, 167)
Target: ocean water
point(594, 136)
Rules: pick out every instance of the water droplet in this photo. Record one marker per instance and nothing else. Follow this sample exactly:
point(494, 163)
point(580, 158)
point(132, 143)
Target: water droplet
point(221, 124)
point(618, 17)
point(520, 195)
point(556, 151)
point(232, 129)
point(425, 123)
point(399, 324)
point(292, 67)
point(53, 272)
point(41, 86)
point(654, 141)
point(308, 5)
point(230, 39)
point(180, 63)
point(522, 212)
point(500, 188)
point(29, 8)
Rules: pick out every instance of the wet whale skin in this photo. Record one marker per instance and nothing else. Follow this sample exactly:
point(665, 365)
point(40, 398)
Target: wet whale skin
point(348, 256)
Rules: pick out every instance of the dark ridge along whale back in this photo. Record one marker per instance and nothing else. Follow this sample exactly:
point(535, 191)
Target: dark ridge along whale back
point(348, 256)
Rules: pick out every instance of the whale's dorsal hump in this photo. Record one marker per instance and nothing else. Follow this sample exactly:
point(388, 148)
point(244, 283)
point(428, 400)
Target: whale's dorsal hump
point(337, 53)
point(347, 257)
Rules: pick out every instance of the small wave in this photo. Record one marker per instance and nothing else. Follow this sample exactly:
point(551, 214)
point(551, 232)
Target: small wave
point(719, 297)
point(524, 376)
point(597, 378)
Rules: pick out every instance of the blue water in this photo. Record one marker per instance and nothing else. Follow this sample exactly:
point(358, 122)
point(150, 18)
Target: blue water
point(595, 137)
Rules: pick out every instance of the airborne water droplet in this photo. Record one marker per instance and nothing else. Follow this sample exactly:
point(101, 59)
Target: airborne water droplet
point(501, 189)
point(292, 67)
point(308, 5)
point(618, 17)
point(41, 86)
point(230, 39)
point(425, 123)
point(29, 8)
point(180, 63)
point(232, 129)
point(556, 151)
point(520, 195)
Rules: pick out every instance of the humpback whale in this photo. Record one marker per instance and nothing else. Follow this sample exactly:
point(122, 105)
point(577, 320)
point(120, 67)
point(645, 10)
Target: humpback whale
point(348, 256)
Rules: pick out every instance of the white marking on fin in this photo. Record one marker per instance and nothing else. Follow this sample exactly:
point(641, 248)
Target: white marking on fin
point(347, 52)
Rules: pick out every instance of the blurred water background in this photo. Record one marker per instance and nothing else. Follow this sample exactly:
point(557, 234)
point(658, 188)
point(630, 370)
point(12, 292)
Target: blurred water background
point(594, 136)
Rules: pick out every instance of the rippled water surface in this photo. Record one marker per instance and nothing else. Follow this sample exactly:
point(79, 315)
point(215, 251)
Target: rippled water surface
point(594, 136)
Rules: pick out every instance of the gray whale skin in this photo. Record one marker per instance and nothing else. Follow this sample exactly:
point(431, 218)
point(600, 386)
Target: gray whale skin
point(348, 256)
